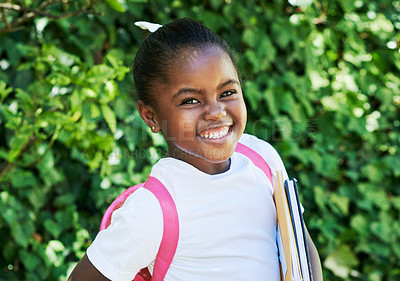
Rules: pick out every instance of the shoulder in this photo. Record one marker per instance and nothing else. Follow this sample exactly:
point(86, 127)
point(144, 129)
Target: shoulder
point(142, 199)
point(142, 208)
point(132, 240)
point(266, 150)
point(255, 143)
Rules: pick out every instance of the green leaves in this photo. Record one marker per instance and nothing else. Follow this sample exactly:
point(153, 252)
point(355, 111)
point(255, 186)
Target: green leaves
point(109, 116)
point(100, 73)
point(23, 179)
point(4, 91)
point(121, 5)
point(30, 260)
point(20, 141)
point(118, 5)
point(18, 219)
point(262, 51)
point(342, 261)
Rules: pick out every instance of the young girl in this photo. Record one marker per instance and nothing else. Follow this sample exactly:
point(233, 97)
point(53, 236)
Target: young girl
point(189, 90)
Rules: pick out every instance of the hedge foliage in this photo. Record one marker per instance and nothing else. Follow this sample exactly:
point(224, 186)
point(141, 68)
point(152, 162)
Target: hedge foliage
point(322, 84)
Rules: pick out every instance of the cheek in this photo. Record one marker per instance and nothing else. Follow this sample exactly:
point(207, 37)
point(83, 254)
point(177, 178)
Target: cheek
point(186, 129)
point(241, 112)
point(241, 116)
point(181, 127)
point(244, 109)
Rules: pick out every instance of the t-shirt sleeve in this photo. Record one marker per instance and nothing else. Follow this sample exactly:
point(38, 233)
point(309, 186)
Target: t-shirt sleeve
point(269, 153)
point(132, 240)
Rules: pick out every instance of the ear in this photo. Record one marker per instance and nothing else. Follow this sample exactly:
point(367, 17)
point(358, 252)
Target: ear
point(148, 115)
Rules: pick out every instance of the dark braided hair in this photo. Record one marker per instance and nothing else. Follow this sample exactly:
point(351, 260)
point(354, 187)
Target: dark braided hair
point(160, 48)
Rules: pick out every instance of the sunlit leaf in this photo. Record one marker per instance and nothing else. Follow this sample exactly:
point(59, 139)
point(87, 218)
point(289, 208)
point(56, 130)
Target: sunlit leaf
point(118, 5)
point(341, 261)
point(110, 117)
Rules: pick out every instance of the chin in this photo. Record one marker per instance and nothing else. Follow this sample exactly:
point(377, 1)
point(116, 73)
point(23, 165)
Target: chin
point(218, 155)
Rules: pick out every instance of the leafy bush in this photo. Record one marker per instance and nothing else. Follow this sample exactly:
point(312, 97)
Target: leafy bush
point(321, 82)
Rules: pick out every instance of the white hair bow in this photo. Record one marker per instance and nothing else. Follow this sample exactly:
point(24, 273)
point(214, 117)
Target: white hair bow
point(148, 25)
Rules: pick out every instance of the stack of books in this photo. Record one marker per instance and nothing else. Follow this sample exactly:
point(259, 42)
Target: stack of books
point(291, 239)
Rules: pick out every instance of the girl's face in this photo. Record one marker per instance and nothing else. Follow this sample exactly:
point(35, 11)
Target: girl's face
point(200, 111)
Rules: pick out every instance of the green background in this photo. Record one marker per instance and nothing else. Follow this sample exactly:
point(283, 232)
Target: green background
point(321, 82)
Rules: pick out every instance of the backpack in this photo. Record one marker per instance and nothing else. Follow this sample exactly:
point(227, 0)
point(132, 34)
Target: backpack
point(170, 236)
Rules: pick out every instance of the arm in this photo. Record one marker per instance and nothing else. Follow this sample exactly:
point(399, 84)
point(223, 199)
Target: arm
point(314, 259)
point(121, 245)
point(86, 271)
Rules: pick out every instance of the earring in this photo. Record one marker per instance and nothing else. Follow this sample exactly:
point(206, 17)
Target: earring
point(153, 128)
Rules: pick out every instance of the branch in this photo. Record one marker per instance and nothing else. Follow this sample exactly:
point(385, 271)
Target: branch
point(49, 146)
point(4, 17)
point(31, 13)
point(39, 12)
point(8, 6)
point(15, 25)
point(48, 3)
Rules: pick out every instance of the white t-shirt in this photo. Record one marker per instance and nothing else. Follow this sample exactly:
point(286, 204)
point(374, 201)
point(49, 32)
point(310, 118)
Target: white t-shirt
point(227, 223)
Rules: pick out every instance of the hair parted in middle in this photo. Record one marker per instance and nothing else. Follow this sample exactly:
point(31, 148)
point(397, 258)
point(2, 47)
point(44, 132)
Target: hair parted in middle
point(160, 48)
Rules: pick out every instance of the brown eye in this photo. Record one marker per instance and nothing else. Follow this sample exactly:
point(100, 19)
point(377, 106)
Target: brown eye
point(189, 101)
point(228, 93)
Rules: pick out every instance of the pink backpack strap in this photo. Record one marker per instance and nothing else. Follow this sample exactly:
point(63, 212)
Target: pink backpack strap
point(118, 202)
point(169, 241)
point(256, 158)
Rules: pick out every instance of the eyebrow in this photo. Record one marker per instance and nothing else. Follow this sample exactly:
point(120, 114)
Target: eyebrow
point(226, 83)
point(197, 91)
point(186, 90)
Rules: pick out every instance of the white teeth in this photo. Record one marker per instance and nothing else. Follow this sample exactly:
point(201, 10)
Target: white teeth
point(216, 135)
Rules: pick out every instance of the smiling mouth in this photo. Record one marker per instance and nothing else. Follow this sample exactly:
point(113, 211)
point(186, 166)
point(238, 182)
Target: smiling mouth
point(217, 133)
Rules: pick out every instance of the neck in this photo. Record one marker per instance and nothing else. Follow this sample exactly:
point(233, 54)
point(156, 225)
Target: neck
point(201, 164)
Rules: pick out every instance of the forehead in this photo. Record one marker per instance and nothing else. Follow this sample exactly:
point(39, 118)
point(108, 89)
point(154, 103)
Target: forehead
point(197, 64)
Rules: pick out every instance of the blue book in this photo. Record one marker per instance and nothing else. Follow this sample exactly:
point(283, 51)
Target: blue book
point(296, 215)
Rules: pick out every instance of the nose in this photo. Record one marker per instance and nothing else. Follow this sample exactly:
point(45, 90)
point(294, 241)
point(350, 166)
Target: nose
point(215, 111)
